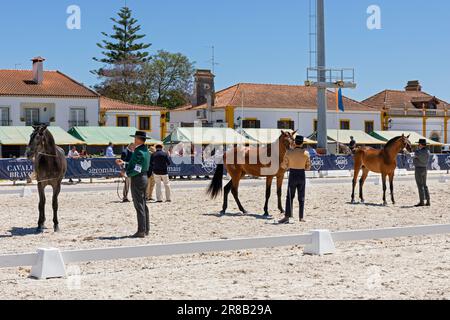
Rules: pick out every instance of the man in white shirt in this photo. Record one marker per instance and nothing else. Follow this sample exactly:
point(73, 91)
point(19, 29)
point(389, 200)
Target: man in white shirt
point(110, 151)
point(73, 154)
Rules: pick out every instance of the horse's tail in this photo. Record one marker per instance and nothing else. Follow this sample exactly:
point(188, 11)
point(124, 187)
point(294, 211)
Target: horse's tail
point(216, 184)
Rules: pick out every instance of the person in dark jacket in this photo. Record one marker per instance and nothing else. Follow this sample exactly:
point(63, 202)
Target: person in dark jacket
point(159, 162)
point(421, 158)
point(352, 144)
point(137, 170)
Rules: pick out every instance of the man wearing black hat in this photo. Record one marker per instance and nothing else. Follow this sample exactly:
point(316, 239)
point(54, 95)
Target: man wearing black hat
point(297, 161)
point(137, 170)
point(421, 158)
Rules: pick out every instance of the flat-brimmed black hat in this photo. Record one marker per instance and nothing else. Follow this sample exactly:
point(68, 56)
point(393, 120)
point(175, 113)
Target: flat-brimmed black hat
point(140, 134)
point(423, 142)
point(299, 140)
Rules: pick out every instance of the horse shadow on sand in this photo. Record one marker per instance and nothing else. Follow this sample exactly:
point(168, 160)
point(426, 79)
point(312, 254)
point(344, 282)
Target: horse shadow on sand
point(368, 204)
point(20, 232)
point(238, 214)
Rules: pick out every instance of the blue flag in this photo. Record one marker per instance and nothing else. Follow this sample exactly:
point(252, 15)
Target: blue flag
point(341, 101)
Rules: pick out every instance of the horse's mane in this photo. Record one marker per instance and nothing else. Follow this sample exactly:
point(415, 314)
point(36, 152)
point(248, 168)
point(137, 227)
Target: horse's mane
point(391, 142)
point(49, 139)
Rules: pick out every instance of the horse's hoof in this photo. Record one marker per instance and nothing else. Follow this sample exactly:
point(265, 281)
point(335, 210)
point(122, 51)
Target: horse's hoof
point(362, 201)
point(39, 230)
point(282, 211)
point(352, 202)
point(385, 204)
point(56, 228)
point(222, 212)
point(244, 211)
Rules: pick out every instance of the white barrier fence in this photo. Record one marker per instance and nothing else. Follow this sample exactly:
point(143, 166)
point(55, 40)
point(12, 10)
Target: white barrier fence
point(50, 262)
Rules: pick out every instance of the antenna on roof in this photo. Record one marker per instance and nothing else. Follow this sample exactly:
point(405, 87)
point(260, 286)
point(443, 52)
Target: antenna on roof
point(213, 60)
point(16, 65)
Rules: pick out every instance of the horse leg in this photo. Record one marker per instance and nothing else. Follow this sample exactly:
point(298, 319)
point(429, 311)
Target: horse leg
point(279, 191)
point(235, 193)
point(355, 178)
point(56, 191)
point(383, 178)
point(226, 192)
point(391, 184)
point(41, 221)
point(361, 183)
point(268, 189)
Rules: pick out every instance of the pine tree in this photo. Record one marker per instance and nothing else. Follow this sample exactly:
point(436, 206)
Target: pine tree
point(123, 57)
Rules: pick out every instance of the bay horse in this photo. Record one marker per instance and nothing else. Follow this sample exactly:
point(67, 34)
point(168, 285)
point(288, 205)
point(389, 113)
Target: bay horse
point(382, 161)
point(50, 166)
point(238, 169)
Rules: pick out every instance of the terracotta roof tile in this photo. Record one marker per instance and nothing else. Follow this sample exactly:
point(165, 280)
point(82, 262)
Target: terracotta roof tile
point(55, 84)
point(276, 97)
point(107, 104)
point(396, 99)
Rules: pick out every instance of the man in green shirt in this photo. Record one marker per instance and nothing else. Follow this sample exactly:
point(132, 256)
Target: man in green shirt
point(137, 170)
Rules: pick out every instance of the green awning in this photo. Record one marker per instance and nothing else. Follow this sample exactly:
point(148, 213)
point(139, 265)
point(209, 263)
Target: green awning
point(268, 136)
point(413, 136)
point(20, 136)
point(204, 136)
point(102, 136)
point(343, 136)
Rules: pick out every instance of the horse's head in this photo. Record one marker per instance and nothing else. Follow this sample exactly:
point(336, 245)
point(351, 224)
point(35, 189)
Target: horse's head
point(406, 144)
point(287, 139)
point(37, 141)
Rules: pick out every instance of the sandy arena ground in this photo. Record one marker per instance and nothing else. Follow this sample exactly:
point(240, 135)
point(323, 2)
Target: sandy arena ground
point(405, 268)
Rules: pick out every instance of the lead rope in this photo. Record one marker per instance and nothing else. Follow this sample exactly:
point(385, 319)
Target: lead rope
point(118, 188)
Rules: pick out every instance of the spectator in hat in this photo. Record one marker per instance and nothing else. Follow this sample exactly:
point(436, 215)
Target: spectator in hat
point(420, 159)
point(137, 170)
point(297, 161)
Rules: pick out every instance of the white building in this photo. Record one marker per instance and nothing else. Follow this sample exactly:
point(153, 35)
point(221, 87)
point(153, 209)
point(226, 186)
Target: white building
point(269, 106)
point(413, 110)
point(34, 96)
point(114, 113)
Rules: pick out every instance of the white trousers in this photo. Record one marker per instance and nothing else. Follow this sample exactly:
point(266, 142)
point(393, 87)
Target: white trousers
point(164, 179)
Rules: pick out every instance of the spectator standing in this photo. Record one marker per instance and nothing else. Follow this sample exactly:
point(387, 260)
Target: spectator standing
point(159, 162)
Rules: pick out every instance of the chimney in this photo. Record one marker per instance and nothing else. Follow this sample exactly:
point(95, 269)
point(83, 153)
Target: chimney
point(204, 91)
point(413, 86)
point(38, 70)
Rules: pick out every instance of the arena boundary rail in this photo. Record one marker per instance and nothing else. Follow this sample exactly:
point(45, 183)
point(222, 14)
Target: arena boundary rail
point(50, 262)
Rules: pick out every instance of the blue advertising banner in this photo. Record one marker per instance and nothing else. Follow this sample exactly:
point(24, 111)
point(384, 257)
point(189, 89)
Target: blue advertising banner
point(21, 169)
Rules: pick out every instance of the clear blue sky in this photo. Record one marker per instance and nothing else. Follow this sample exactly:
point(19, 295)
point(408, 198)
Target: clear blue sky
point(256, 40)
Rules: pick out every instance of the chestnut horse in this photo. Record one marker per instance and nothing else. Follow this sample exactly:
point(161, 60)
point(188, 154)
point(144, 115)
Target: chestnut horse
point(238, 169)
point(382, 161)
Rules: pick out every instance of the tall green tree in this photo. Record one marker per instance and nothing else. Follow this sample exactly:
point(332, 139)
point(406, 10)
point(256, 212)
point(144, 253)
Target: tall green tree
point(169, 79)
point(124, 54)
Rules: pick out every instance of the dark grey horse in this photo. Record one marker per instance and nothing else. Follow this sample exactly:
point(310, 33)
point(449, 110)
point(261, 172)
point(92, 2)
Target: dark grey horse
point(50, 166)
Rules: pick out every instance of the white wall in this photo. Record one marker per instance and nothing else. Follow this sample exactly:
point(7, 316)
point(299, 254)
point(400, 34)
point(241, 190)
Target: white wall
point(61, 106)
point(304, 119)
point(415, 124)
point(155, 118)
